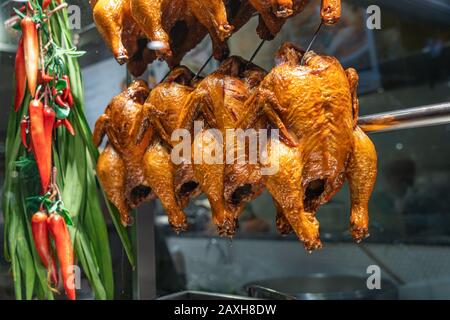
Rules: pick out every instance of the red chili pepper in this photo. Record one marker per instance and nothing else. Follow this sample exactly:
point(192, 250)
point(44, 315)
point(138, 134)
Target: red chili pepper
point(60, 233)
point(68, 126)
point(46, 3)
point(42, 152)
point(24, 126)
point(58, 98)
point(58, 123)
point(21, 76)
point(44, 77)
point(49, 123)
point(67, 90)
point(41, 241)
point(31, 52)
point(70, 101)
point(61, 102)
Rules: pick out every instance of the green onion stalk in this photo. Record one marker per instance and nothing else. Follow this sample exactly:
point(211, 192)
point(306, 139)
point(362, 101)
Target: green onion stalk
point(74, 158)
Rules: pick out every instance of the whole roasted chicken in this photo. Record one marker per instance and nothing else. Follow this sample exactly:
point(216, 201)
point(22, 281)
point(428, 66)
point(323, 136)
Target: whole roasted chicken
point(118, 28)
point(217, 103)
point(173, 183)
point(129, 133)
point(318, 107)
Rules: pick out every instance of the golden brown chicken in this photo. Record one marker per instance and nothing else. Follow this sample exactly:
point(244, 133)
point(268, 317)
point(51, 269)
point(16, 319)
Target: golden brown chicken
point(173, 183)
point(111, 172)
point(218, 102)
point(161, 20)
point(117, 27)
point(129, 134)
point(318, 105)
point(274, 13)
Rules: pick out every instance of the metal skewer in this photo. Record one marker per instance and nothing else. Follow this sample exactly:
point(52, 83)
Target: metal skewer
point(431, 115)
point(256, 51)
point(203, 67)
point(312, 42)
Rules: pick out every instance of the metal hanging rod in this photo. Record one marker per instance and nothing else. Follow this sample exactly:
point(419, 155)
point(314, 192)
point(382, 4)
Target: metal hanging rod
point(431, 115)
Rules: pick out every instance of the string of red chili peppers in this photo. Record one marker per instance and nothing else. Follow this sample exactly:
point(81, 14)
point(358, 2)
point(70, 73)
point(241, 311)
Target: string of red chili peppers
point(40, 67)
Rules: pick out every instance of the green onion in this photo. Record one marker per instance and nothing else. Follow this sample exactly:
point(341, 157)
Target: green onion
point(75, 159)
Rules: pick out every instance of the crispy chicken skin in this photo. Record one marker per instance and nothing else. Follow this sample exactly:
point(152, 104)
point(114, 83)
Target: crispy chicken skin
point(361, 174)
point(159, 171)
point(117, 27)
point(140, 31)
point(112, 174)
point(274, 14)
point(316, 104)
point(218, 101)
point(174, 184)
point(158, 20)
point(310, 98)
point(129, 134)
point(213, 15)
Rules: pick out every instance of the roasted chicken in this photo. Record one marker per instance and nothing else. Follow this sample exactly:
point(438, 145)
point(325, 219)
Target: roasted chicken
point(218, 101)
point(140, 31)
point(111, 172)
point(117, 27)
point(318, 107)
point(129, 134)
point(159, 20)
point(273, 14)
point(173, 183)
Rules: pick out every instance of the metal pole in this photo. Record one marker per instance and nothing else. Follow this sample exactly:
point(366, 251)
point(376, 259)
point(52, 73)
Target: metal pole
point(145, 252)
point(431, 115)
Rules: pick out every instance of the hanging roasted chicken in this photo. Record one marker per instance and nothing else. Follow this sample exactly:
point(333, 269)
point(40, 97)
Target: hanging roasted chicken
point(118, 28)
point(161, 20)
point(173, 183)
point(140, 31)
point(217, 103)
point(273, 14)
point(129, 133)
point(317, 104)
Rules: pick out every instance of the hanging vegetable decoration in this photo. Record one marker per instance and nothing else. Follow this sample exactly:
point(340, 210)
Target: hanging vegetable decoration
point(45, 228)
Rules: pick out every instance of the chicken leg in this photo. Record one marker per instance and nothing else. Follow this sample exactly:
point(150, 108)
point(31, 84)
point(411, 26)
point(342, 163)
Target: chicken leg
point(116, 25)
point(111, 173)
point(213, 15)
point(285, 186)
point(361, 174)
point(159, 171)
